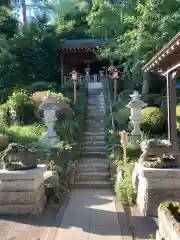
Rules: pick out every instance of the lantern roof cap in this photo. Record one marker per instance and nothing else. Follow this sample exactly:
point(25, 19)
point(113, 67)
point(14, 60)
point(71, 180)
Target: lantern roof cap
point(136, 102)
point(49, 102)
point(74, 72)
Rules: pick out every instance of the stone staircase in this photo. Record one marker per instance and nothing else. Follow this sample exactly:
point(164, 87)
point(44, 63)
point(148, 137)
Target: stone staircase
point(93, 169)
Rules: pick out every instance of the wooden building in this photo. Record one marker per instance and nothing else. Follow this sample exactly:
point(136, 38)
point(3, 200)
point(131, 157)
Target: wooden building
point(79, 54)
point(167, 63)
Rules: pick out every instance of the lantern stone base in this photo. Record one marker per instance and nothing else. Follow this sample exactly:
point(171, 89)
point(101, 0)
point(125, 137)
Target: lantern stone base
point(22, 192)
point(49, 141)
point(155, 186)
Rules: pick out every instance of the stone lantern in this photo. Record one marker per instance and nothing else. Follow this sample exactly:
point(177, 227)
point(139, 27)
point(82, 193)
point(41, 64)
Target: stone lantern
point(101, 73)
point(87, 71)
point(50, 105)
point(136, 104)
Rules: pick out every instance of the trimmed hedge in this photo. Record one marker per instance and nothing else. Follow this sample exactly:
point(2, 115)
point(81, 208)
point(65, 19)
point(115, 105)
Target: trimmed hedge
point(153, 120)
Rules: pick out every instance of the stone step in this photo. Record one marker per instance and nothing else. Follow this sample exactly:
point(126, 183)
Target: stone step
point(94, 138)
point(99, 133)
point(94, 143)
point(95, 121)
point(93, 124)
point(94, 129)
point(96, 102)
point(93, 154)
point(98, 128)
point(95, 117)
point(94, 160)
point(96, 114)
point(95, 107)
point(95, 111)
point(92, 148)
point(93, 184)
point(92, 176)
point(92, 167)
point(96, 92)
point(93, 96)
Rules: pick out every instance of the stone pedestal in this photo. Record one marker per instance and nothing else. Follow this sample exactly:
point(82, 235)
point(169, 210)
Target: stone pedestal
point(155, 186)
point(22, 192)
point(168, 225)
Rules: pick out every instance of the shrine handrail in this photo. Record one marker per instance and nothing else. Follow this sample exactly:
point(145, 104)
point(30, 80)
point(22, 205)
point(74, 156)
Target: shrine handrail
point(110, 104)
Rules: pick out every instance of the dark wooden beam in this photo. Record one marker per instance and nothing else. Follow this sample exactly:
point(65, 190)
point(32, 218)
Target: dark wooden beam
point(171, 98)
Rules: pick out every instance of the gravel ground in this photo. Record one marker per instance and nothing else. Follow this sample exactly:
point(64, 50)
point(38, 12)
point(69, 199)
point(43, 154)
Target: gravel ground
point(27, 227)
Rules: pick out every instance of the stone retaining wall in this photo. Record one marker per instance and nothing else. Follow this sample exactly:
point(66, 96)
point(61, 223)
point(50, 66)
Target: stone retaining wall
point(155, 186)
point(22, 192)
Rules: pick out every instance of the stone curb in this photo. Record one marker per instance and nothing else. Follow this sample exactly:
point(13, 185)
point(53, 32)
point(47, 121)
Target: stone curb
point(52, 231)
point(124, 221)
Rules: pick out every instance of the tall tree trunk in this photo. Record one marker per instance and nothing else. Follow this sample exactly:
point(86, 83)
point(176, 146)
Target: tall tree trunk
point(145, 86)
point(24, 12)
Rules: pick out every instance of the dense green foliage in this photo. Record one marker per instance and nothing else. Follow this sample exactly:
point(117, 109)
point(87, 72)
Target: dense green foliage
point(138, 30)
point(29, 55)
point(153, 120)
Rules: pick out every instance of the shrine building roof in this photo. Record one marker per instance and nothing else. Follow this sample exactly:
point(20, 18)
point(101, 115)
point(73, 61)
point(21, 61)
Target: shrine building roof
point(166, 58)
point(84, 43)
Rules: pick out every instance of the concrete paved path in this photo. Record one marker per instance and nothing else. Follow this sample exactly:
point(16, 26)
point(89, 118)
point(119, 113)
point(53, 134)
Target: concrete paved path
point(90, 215)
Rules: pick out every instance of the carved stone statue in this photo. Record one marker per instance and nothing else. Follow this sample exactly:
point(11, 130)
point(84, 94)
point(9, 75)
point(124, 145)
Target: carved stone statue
point(159, 154)
point(18, 157)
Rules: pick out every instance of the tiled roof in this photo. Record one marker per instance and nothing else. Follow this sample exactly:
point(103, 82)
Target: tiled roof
point(85, 42)
point(112, 1)
point(116, 1)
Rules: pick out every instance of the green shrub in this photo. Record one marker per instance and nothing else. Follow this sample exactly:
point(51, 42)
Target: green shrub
point(122, 116)
point(108, 121)
point(114, 147)
point(44, 86)
point(80, 102)
point(117, 106)
point(159, 100)
point(153, 120)
point(178, 117)
point(133, 149)
point(124, 95)
point(4, 93)
point(125, 192)
point(23, 134)
point(21, 107)
point(69, 87)
point(151, 99)
point(4, 114)
point(68, 129)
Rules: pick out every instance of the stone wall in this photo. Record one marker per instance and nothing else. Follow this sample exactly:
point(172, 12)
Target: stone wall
point(168, 227)
point(22, 191)
point(155, 186)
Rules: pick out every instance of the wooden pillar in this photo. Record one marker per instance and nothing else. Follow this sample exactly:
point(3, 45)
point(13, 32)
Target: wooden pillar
point(62, 69)
point(171, 99)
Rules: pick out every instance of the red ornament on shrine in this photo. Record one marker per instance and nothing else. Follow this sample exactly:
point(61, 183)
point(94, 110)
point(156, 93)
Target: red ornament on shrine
point(74, 75)
point(115, 73)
